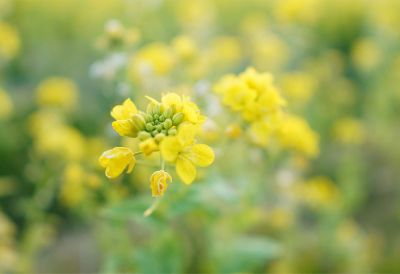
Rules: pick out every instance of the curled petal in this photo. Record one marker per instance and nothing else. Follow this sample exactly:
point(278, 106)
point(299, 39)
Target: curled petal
point(116, 160)
point(124, 111)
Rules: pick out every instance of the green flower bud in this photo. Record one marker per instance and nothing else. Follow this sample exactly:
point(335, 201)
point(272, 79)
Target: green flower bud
point(148, 118)
point(167, 123)
point(168, 113)
point(159, 127)
point(159, 137)
point(172, 131)
point(177, 118)
point(138, 122)
point(153, 108)
point(149, 127)
point(143, 135)
point(154, 133)
point(161, 118)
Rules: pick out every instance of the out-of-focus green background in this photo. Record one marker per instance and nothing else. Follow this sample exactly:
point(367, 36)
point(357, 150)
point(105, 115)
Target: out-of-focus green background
point(65, 63)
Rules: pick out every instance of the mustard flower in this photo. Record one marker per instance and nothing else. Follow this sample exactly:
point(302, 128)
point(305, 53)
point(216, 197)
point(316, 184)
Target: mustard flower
point(116, 160)
point(159, 182)
point(168, 127)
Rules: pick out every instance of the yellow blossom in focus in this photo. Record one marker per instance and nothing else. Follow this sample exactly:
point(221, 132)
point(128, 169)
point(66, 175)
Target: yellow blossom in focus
point(182, 151)
point(123, 115)
point(116, 160)
point(57, 92)
point(6, 104)
point(349, 131)
point(183, 104)
point(159, 182)
point(9, 41)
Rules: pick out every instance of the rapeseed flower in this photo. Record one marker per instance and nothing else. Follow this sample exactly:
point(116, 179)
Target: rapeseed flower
point(168, 127)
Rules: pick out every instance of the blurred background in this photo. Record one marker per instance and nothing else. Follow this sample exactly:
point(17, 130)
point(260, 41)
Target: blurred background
point(64, 64)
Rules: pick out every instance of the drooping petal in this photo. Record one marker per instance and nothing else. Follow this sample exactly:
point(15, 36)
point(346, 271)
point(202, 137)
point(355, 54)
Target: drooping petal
point(170, 147)
point(125, 128)
point(116, 160)
point(201, 155)
point(124, 111)
point(185, 169)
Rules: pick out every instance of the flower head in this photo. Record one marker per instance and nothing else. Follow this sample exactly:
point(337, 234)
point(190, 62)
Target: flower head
point(116, 160)
point(159, 182)
point(186, 155)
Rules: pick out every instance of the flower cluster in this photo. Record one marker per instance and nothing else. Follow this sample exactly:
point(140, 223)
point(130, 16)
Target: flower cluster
point(169, 128)
point(260, 104)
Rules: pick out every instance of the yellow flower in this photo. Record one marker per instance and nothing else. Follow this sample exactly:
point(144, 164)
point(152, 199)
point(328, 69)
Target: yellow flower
point(159, 181)
point(57, 92)
point(148, 146)
point(10, 42)
point(116, 160)
point(185, 47)
point(123, 115)
point(183, 104)
point(319, 191)
point(182, 151)
point(251, 93)
point(154, 59)
point(295, 133)
point(349, 131)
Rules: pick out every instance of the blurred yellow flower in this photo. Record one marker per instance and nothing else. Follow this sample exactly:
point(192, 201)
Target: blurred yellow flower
point(298, 86)
point(154, 59)
point(319, 191)
point(366, 54)
point(116, 160)
point(349, 131)
point(184, 47)
point(159, 182)
point(294, 133)
point(57, 92)
point(10, 43)
point(73, 188)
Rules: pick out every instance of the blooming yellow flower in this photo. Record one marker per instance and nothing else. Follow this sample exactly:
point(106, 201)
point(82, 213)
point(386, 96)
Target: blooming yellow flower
point(159, 182)
point(123, 115)
point(182, 151)
point(116, 160)
point(169, 127)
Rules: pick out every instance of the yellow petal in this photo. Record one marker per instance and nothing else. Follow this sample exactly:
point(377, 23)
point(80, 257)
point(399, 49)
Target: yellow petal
point(186, 170)
point(201, 155)
point(125, 128)
point(170, 148)
point(148, 146)
point(151, 99)
point(124, 111)
point(171, 99)
point(187, 133)
point(116, 160)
